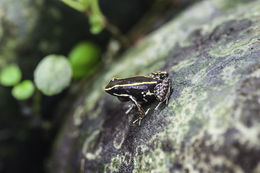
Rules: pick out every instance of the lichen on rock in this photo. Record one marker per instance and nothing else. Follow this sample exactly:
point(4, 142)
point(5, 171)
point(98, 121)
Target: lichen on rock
point(212, 123)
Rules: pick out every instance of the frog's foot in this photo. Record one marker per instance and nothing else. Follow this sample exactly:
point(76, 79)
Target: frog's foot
point(139, 120)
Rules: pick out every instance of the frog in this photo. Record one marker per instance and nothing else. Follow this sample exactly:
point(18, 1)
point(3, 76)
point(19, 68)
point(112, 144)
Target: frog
point(142, 90)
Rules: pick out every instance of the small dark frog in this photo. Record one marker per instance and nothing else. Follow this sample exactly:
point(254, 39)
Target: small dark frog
point(142, 90)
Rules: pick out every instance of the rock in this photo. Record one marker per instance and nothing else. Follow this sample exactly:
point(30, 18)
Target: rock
point(212, 123)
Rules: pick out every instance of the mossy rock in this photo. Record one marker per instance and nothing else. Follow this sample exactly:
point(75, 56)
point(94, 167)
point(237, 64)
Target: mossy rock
point(212, 123)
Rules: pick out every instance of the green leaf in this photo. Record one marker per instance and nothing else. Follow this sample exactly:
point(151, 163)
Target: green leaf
point(80, 5)
point(52, 74)
point(83, 59)
point(91, 8)
point(10, 75)
point(23, 90)
point(96, 29)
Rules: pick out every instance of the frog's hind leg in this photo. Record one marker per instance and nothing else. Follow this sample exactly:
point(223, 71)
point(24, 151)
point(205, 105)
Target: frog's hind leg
point(159, 75)
point(163, 92)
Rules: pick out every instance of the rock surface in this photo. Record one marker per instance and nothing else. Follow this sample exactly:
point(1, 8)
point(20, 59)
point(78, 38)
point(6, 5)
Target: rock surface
point(212, 123)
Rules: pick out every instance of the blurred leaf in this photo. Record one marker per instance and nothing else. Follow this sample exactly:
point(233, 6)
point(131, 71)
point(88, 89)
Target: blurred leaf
point(80, 5)
point(96, 22)
point(52, 74)
point(91, 8)
point(10, 75)
point(23, 90)
point(84, 58)
point(96, 17)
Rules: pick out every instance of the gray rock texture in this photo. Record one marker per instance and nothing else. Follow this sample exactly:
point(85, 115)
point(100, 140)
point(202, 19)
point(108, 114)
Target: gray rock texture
point(212, 123)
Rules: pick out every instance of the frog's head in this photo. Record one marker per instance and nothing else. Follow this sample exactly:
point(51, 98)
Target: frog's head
point(112, 86)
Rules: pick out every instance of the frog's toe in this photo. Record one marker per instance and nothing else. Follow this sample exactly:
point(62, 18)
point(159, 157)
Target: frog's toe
point(147, 111)
point(129, 109)
point(138, 120)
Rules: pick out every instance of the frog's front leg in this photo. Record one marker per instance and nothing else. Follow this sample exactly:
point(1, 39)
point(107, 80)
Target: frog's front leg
point(140, 109)
point(163, 91)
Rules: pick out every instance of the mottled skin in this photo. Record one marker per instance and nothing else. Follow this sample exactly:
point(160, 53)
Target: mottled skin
point(212, 122)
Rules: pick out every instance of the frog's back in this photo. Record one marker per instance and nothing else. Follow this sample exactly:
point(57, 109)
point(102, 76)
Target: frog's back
point(136, 83)
point(136, 87)
point(136, 80)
